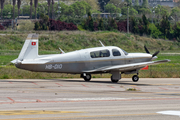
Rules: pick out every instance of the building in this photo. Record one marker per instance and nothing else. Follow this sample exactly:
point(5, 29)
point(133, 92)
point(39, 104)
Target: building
point(170, 3)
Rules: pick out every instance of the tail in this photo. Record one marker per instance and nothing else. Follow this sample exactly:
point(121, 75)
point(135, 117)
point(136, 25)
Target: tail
point(29, 50)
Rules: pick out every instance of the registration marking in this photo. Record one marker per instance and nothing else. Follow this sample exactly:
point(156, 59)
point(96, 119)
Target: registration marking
point(56, 66)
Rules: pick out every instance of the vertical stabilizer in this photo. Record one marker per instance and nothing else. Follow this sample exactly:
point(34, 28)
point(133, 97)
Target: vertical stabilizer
point(30, 48)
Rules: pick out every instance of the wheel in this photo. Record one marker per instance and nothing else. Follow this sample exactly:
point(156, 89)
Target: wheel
point(135, 78)
point(87, 77)
point(114, 81)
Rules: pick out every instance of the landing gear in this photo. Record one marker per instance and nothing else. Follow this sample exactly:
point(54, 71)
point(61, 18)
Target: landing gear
point(135, 78)
point(114, 80)
point(87, 77)
point(116, 76)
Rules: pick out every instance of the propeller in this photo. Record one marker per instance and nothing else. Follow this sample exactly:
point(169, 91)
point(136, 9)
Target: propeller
point(147, 51)
point(155, 53)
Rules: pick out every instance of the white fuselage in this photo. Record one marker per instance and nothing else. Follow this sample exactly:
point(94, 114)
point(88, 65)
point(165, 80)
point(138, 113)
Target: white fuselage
point(85, 59)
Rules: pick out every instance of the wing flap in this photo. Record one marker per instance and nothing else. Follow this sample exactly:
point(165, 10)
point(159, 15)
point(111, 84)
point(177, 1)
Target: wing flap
point(127, 66)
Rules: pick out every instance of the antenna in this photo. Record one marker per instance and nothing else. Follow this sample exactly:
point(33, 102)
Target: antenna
point(101, 43)
point(61, 51)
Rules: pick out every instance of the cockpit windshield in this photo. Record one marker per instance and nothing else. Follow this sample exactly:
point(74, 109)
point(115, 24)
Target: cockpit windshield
point(124, 52)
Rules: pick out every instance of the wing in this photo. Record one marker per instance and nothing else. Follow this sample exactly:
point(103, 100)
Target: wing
point(127, 66)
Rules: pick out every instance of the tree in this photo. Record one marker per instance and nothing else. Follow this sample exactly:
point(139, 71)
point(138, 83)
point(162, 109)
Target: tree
point(134, 25)
point(177, 31)
point(145, 3)
point(144, 11)
point(2, 7)
point(132, 11)
point(52, 9)
point(117, 3)
point(35, 5)
point(101, 24)
point(31, 3)
point(26, 10)
point(19, 5)
point(14, 3)
point(8, 9)
point(110, 8)
point(145, 22)
point(49, 3)
point(112, 24)
point(91, 23)
point(78, 9)
point(175, 13)
point(165, 26)
point(136, 3)
point(153, 31)
point(88, 24)
point(93, 4)
point(102, 3)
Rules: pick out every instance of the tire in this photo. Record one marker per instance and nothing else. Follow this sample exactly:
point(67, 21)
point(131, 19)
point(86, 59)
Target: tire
point(114, 81)
point(87, 77)
point(135, 78)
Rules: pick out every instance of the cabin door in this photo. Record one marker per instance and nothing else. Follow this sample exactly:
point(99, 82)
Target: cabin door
point(85, 58)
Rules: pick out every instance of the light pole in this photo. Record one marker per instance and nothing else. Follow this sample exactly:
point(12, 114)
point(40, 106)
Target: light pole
point(154, 4)
point(128, 4)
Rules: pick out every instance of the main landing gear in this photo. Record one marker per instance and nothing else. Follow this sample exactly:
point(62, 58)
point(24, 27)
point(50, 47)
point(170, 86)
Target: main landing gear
point(135, 78)
point(114, 80)
point(116, 76)
point(87, 77)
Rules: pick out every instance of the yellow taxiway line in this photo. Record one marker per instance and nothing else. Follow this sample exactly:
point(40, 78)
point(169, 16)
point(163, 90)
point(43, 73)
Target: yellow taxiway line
point(33, 112)
point(82, 116)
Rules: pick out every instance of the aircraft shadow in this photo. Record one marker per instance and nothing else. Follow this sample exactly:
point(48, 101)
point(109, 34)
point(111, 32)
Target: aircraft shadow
point(105, 82)
point(82, 81)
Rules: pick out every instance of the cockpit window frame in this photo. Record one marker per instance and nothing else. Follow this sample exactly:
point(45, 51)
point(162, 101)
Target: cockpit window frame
point(100, 53)
point(126, 53)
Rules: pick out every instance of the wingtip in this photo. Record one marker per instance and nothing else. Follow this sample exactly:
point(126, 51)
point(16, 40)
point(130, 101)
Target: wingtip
point(168, 60)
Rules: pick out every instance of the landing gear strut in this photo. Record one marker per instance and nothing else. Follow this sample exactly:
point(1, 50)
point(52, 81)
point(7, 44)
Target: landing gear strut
point(135, 78)
point(87, 77)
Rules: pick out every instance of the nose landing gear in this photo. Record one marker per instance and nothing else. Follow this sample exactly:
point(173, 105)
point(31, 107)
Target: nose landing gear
point(135, 78)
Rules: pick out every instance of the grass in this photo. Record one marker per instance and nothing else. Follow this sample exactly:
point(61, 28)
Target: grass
point(131, 89)
point(49, 43)
point(75, 40)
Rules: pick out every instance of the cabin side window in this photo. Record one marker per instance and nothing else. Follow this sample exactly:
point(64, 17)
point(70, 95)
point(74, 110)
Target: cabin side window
point(116, 52)
point(100, 53)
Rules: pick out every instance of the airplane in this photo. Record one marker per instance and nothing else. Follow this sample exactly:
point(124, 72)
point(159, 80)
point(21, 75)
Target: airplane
point(98, 60)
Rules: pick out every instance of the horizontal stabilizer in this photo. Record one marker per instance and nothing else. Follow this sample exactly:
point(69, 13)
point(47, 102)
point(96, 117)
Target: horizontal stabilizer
point(14, 61)
point(36, 62)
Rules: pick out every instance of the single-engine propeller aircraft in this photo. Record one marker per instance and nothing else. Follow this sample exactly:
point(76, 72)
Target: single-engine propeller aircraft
point(98, 60)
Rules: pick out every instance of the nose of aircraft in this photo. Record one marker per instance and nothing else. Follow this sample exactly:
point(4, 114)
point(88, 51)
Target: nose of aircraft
point(153, 55)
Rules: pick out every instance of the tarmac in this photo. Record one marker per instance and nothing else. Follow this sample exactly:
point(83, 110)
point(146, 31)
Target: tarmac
point(99, 99)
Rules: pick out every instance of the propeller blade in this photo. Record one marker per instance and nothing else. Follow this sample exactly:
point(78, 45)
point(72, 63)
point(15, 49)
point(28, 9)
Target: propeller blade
point(155, 53)
point(147, 51)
